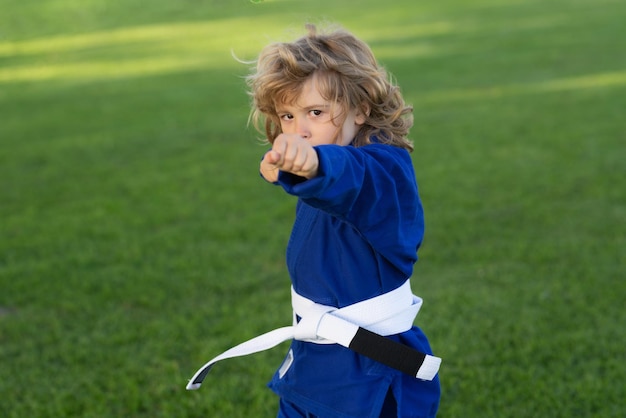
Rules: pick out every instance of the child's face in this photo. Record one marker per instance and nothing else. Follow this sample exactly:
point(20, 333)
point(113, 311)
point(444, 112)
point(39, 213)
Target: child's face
point(310, 117)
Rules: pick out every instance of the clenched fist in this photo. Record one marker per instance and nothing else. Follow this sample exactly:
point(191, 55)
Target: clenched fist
point(290, 153)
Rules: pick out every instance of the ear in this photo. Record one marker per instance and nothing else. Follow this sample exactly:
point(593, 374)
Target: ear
point(362, 114)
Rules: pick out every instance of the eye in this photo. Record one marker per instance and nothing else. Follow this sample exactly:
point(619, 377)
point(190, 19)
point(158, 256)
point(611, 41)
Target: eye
point(286, 116)
point(316, 112)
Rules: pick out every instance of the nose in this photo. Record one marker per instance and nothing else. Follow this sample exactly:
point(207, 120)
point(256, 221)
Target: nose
point(302, 128)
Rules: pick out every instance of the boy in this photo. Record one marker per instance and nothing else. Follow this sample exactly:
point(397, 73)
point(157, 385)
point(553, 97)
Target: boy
point(337, 128)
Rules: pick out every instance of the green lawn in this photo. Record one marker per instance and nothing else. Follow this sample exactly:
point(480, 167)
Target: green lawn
point(137, 240)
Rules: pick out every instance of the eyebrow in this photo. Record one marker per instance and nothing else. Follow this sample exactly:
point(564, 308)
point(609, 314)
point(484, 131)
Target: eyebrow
point(307, 108)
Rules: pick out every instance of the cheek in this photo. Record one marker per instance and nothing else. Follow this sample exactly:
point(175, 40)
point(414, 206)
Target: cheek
point(284, 127)
point(348, 132)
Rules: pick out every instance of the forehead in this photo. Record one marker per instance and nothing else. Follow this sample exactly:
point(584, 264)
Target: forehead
point(307, 95)
point(310, 94)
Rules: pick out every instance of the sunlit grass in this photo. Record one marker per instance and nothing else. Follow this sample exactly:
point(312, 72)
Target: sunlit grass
point(163, 49)
point(209, 44)
point(147, 50)
point(595, 81)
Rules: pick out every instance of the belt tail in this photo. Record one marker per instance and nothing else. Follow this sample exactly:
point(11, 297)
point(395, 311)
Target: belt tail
point(395, 355)
point(255, 345)
point(379, 348)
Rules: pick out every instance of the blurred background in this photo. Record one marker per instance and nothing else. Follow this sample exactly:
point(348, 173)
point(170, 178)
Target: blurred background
point(137, 240)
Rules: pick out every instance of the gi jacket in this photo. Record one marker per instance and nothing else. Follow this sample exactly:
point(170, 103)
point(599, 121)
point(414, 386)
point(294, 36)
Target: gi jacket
point(358, 226)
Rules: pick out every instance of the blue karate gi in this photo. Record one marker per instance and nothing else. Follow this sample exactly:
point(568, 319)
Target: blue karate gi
point(358, 226)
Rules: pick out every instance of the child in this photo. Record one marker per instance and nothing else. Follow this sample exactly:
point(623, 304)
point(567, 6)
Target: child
point(337, 128)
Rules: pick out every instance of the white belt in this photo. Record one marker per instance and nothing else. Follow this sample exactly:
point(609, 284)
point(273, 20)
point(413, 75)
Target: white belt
point(360, 327)
point(387, 314)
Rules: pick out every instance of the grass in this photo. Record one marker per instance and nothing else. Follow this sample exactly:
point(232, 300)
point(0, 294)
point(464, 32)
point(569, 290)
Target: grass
point(137, 240)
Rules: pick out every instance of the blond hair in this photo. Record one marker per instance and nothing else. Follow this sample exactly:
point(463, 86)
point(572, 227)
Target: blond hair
point(346, 73)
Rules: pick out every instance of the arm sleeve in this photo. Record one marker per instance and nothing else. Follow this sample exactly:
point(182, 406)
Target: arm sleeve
point(371, 187)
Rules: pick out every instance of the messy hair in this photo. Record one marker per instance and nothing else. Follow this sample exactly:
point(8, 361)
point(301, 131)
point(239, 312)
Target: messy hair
point(347, 75)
